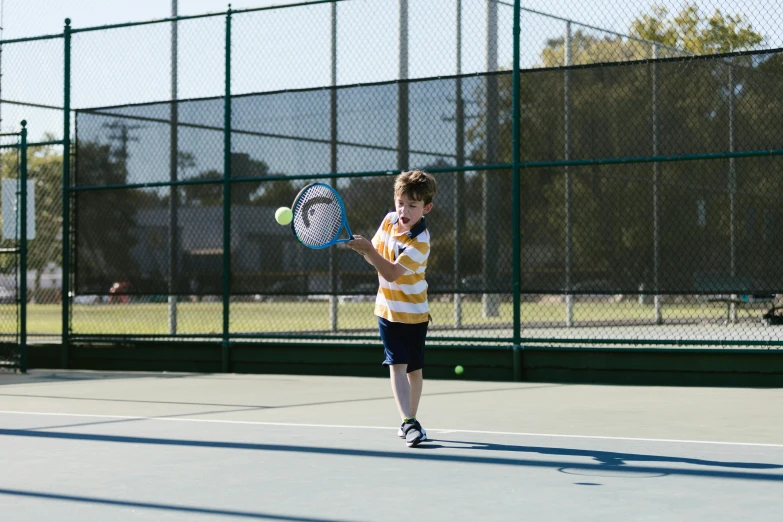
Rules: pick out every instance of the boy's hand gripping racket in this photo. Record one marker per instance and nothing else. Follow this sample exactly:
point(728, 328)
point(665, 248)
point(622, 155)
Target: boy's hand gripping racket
point(319, 216)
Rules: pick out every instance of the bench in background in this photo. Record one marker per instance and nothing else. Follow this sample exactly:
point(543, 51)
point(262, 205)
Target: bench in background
point(728, 289)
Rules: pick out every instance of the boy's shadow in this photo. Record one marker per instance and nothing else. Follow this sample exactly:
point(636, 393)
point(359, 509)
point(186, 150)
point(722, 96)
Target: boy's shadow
point(603, 458)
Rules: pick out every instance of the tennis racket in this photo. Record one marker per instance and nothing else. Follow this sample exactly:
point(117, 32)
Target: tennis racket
point(319, 217)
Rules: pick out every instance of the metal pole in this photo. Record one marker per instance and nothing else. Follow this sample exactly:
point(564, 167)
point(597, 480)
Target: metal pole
point(227, 199)
point(66, 200)
point(567, 140)
point(333, 253)
point(173, 190)
point(23, 250)
point(515, 197)
point(490, 301)
point(732, 191)
point(460, 181)
point(656, 192)
point(402, 91)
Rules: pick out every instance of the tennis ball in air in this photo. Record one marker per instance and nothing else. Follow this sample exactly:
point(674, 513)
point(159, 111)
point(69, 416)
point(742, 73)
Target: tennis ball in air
point(459, 369)
point(283, 215)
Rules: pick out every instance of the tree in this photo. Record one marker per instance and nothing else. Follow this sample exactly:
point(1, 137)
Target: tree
point(689, 32)
point(242, 193)
point(44, 168)
point(105, 220)
point(275, 193)
point(204, 195)
point(694, 33)
point(610, 116)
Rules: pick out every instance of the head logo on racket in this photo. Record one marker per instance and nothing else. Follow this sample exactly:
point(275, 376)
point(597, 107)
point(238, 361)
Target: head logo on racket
point(319, 217)
point(308, 210)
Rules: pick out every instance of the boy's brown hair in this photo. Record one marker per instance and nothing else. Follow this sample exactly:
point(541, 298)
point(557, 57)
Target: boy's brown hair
point(417, 185)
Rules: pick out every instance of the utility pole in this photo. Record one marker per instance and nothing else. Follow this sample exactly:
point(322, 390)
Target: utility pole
point(173, 189)
point(491, 301)
point(459, 118)
point(121, 133)
point(402, 91)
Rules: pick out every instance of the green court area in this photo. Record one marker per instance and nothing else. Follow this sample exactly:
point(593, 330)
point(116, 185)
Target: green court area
point(309, 316)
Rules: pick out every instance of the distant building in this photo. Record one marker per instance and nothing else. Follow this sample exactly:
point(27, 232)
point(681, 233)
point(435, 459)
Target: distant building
point(262, 252)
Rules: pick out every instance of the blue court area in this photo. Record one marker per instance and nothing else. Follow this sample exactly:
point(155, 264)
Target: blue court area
point(83, 446)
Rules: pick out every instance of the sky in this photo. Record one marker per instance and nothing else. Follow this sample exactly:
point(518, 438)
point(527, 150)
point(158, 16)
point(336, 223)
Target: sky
point(32, 17)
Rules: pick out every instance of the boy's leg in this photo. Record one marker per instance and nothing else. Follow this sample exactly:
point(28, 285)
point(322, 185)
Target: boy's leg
point(397, 338)
point(416, 382)
point(401, 389)
point(410, 429)
point(417, 334)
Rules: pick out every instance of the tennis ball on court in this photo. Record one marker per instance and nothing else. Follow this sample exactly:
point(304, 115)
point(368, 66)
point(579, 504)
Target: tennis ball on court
point(283, 215)
point(459, 369)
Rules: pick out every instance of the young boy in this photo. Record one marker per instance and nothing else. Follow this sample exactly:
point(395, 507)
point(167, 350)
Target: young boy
point(399, 252)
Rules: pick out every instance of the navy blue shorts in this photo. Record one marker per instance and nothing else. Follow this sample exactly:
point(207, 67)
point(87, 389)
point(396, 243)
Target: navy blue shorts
point(403, 343)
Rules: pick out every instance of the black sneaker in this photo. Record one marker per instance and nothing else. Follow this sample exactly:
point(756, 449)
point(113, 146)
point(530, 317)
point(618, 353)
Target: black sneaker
point(414, 433)
point(401, 434)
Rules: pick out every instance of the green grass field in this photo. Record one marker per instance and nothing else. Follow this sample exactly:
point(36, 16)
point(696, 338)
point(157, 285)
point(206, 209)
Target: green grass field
point(205, 318)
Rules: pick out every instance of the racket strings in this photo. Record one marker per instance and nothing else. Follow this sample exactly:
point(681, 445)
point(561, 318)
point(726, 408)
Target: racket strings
point(318, 216)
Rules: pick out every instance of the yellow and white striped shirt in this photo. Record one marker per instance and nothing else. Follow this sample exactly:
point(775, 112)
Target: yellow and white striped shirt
point(404, 300)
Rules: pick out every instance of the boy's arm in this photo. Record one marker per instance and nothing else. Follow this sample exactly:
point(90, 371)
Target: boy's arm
point(387, 270)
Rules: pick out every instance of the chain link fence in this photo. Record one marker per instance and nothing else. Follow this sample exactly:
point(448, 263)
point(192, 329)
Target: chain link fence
point(17, 196)
point(646, 195)
point(9, 255)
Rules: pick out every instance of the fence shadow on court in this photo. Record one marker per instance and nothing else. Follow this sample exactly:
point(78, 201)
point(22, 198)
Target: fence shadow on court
point(607, 460)
point(156, 506)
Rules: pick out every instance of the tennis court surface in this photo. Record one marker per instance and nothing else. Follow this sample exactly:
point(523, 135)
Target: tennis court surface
point(89, 446)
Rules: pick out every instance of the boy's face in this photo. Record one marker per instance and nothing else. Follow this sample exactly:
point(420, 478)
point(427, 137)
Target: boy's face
point(409, 211)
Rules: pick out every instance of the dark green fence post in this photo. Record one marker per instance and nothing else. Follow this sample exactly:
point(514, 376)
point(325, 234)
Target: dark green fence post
point(334, 260)
point(23, 249)
point(66, 268)
point(515, 198)
point(227, 199)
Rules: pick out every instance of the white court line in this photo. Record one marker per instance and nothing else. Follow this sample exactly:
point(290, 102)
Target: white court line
point(429, 430)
